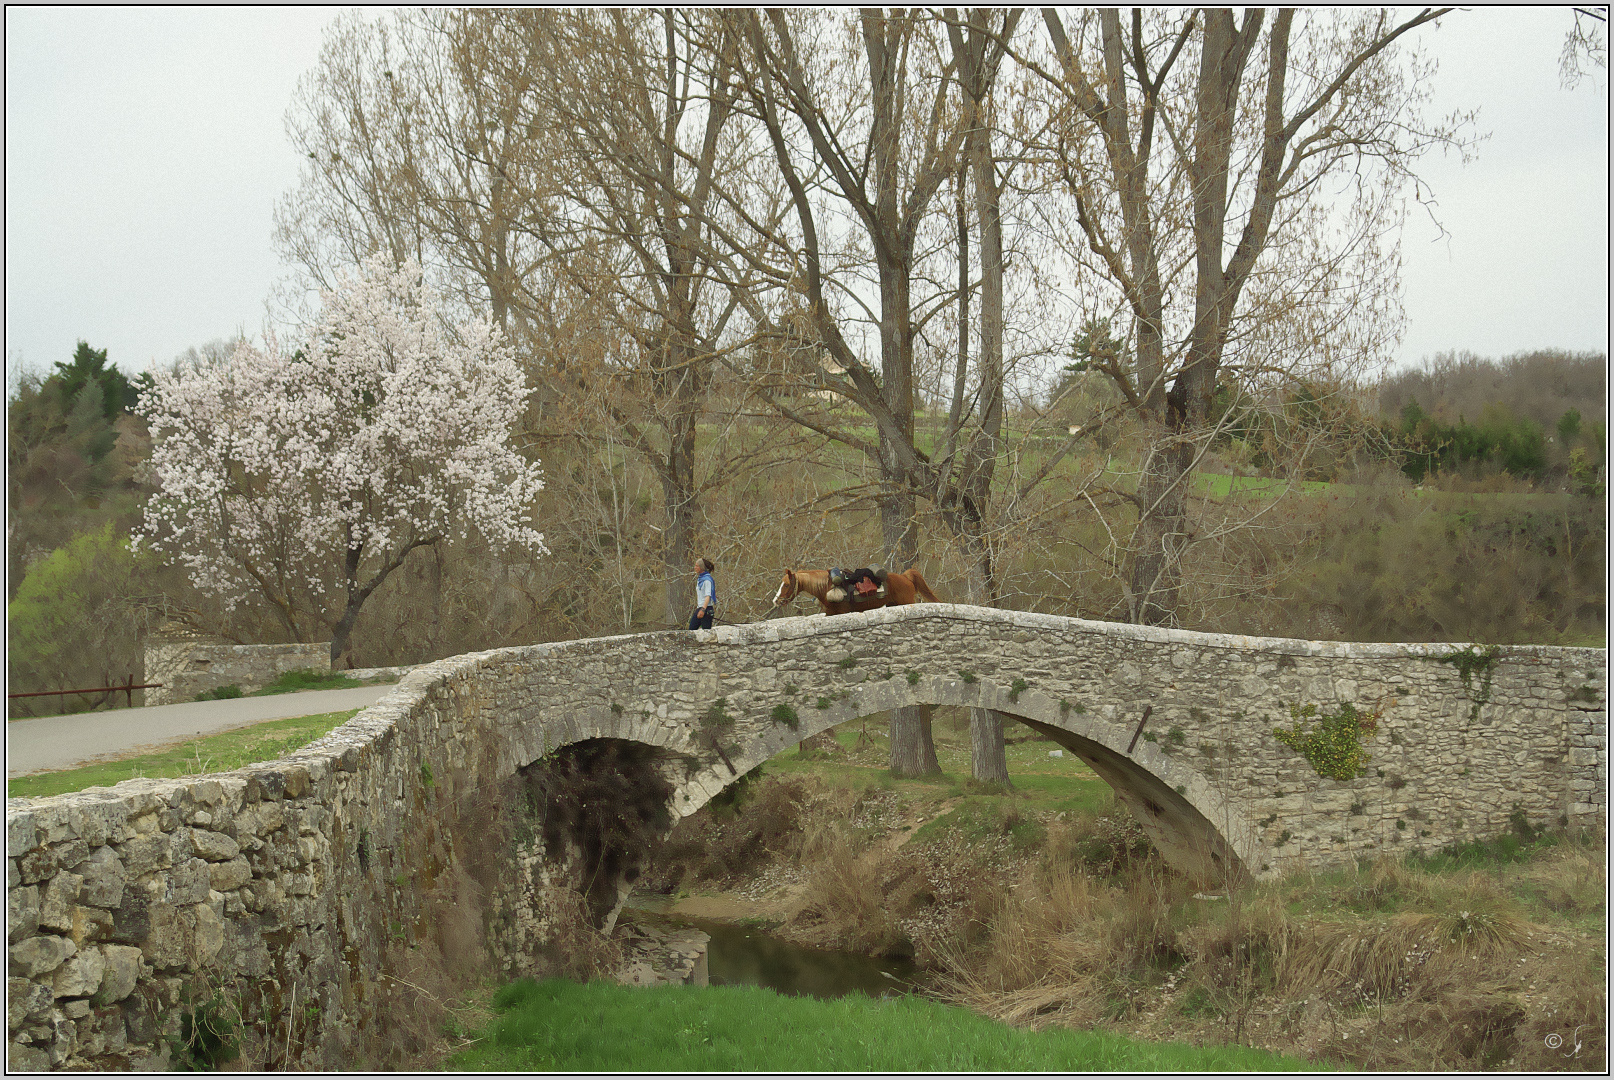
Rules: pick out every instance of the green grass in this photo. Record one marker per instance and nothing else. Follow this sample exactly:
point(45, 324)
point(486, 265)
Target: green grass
point(562, 1026)
point(290, 682)
point(215, 753)
point(1221, 485)
point(1041, 783)
point(983, 817)
point(293, 681)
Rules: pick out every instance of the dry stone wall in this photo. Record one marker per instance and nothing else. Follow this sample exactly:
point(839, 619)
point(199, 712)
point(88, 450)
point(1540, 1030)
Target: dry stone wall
point(188, 666)
point(297, 893)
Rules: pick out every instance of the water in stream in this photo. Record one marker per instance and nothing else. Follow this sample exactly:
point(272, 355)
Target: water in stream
point(747, 956)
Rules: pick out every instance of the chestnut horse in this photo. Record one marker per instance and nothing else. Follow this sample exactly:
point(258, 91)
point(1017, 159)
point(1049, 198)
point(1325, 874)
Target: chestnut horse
point(904, 588)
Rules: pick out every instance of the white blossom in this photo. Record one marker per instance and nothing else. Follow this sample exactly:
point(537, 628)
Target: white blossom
point(383, 433)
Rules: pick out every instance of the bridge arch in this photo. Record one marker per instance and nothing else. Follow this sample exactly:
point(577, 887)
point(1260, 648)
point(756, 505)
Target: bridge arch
point(726, 700)
point(1186, 817)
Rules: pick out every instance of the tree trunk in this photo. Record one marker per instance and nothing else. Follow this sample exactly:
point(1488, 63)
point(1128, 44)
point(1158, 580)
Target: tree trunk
point(678, 491)
point(988, 764)
point(978, 58)
point(1160, 538)
point(342, 638)
point(913, 751)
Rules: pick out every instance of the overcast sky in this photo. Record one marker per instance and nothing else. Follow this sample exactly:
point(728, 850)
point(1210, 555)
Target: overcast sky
point(146, 148)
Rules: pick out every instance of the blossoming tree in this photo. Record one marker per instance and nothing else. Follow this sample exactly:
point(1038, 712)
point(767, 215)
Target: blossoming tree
point(309, 479)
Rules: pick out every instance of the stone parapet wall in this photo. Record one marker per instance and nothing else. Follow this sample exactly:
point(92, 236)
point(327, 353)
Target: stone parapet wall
point(188, 667)
point(289, 889)
point(296, 892)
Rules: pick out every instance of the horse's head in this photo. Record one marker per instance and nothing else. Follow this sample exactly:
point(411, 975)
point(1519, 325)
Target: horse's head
point(787, 589)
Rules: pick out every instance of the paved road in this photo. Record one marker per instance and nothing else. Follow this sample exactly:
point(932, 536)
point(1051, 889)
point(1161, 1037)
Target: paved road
point(48, 743)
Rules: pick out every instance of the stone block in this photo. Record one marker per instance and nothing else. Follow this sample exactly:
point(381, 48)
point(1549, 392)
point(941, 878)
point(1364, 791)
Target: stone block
point(206, 792)
point(36, 865)
point(269, 785)
point(40, 955)
point(296, 782)
point(209, 932)
point(90, 924)
point(80, 976)
point(98, 822)
point(246, 947)
point(171, 936)
point(64, 1039)
point(188, 883)
point(108, 1030)
point(70, 853)
point(229, 875)
point(131, 920)
point(141, 1017)
point(263, 819)
point(213, 846)
point(120, 973)
point(26, 1001)
point(143, 854)
point(103, 878)
point(57, 901)
point(24, 1057)
point(22, 831)
point(22, 912)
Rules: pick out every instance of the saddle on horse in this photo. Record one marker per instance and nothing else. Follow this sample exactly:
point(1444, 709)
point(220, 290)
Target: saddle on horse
point(866, 583)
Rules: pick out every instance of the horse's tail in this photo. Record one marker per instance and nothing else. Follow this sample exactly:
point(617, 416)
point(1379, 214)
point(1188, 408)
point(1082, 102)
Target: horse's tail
point(921, 587)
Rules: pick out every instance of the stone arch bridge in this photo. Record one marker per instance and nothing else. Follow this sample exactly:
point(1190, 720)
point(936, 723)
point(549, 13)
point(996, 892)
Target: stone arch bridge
point(296, 883)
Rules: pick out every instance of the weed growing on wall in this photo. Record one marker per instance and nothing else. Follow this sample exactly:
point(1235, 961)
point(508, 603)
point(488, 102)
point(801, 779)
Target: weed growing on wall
point(1468, 662)
point(1334, 747)
point(716, 720)
point(209, 1034)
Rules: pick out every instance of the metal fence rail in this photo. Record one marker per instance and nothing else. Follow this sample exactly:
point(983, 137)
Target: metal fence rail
point(128, 689)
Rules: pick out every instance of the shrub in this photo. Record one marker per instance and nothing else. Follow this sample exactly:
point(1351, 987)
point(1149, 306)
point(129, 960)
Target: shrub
point(221, 693)
point(1334, 747)
point(77, 621)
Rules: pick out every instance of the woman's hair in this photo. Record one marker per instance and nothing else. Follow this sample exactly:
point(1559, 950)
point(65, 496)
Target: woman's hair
point(708, 563)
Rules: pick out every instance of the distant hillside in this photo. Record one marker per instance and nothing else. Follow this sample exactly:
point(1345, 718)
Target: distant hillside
point(1537, 386)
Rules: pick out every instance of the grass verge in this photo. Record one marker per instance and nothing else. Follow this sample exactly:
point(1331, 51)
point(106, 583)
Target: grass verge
point(214, 753)
point(600, 1026)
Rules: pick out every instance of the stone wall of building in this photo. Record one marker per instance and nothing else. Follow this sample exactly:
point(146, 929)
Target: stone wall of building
point(190, 666)
point(300, 894)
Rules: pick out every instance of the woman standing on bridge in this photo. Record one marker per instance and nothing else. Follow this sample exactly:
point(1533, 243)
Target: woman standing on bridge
point(705, 595)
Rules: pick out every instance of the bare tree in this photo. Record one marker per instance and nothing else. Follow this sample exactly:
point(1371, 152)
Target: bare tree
point(881, 142)
point(642, 106)
point(1251, 137)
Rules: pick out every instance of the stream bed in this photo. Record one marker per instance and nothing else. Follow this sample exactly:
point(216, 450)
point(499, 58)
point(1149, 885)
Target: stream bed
point(740, 955)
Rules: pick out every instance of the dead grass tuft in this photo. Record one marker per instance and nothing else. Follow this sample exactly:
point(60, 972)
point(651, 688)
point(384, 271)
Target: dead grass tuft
point(1572, 881)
